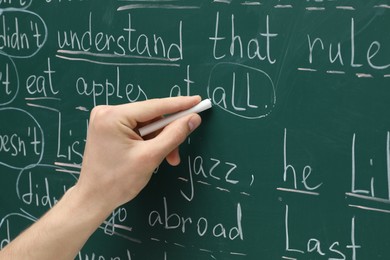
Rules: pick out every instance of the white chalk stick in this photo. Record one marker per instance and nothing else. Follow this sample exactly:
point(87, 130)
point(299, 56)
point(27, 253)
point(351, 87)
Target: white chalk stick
point(203, 105)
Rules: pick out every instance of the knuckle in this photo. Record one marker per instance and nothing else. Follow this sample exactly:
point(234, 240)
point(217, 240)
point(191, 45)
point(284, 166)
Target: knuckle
point(151, 157)
point(98, 111)
point(101, 116)
point(181, 132)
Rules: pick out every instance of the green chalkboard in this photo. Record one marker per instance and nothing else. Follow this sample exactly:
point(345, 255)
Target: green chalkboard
point(292, 162)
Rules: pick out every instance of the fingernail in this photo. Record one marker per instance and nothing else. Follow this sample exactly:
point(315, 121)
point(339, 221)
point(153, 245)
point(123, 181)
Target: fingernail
point(194, 122)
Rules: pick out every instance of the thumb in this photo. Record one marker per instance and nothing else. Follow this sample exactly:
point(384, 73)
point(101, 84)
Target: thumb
point(175, 133)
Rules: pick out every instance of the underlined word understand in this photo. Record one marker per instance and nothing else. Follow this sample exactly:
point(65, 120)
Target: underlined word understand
point(129, 41)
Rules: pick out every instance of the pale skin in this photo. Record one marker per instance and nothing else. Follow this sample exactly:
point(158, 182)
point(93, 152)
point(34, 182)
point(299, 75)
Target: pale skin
point(117, 165)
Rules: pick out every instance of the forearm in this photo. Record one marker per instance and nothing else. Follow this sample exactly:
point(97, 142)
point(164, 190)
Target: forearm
point(61, 232)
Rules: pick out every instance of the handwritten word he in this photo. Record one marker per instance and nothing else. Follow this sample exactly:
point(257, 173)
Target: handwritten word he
point(306, 172)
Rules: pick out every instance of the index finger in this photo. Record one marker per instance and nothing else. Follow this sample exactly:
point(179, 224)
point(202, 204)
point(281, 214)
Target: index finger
point(145, 111)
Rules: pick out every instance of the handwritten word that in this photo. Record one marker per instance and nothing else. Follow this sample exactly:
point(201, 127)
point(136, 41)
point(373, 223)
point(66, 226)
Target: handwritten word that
point(250, 49)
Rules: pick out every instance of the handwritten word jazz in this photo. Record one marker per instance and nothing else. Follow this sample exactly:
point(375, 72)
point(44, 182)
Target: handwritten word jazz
point(218, 171)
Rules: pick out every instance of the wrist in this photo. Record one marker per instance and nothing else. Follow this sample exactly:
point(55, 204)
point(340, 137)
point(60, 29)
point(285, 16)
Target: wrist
point(90, 205)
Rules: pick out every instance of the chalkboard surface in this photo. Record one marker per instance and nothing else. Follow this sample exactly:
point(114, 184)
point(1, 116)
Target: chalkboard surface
point(292, 162)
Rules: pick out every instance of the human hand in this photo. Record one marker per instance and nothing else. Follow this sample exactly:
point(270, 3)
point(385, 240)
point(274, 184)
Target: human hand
point(117, 162)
